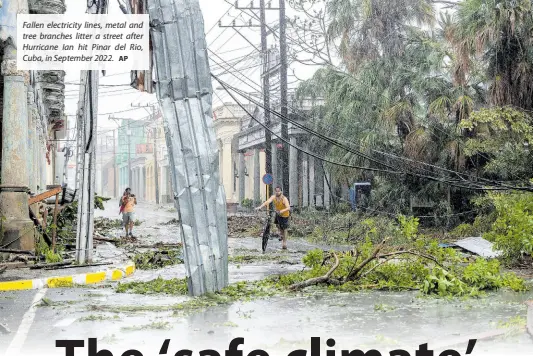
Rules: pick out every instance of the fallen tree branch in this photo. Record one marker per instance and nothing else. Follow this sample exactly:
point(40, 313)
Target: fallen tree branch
point(370, 258)
point(414, 253)
point(375, 266)
point(314, 281)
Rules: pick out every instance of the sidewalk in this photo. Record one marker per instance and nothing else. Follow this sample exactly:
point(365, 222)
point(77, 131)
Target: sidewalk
point(25, 278)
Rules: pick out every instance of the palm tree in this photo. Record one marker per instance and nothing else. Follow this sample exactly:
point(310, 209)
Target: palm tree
point(498, 34)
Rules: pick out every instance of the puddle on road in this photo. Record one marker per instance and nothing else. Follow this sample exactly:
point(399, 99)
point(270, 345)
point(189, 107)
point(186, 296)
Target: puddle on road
point(362, 320)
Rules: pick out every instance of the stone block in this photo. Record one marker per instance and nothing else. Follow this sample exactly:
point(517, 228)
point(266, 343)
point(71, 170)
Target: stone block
point(18, 235)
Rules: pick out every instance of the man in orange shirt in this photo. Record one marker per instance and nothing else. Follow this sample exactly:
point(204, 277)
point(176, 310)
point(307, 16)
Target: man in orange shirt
point(282, 207)
point(128, 201)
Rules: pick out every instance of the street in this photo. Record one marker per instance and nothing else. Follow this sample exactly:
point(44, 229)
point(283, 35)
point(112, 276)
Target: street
point(367, 319)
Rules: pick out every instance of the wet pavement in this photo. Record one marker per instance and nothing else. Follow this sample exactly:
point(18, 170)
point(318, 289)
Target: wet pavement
point(278, 325)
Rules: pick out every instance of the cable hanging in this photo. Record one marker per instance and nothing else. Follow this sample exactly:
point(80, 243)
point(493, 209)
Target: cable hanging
point(459, 184)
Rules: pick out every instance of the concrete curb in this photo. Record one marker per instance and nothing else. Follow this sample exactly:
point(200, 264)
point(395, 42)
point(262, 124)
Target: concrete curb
point(113, 274)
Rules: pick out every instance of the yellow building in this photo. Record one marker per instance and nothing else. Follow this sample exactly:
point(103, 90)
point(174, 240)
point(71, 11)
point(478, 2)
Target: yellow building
point(228, 120)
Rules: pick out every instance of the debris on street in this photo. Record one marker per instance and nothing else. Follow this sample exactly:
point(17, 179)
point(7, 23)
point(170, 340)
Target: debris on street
point(244, 226)
point(174, 221)
point(156, 259)
point(478, 246)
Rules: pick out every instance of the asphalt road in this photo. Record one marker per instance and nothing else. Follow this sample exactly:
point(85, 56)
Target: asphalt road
point(34, 320)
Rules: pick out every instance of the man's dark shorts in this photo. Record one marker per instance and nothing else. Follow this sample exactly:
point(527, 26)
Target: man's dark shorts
point(282, 222)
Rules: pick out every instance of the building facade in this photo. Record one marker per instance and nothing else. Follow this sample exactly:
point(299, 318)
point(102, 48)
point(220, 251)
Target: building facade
point(228, 119)
point(32, 122)
point(309, 182)
point(141, 160)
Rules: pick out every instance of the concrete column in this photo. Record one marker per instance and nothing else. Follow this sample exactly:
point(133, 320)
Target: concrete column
point(293, 172)
point(275, 170)
point(143, 183)
point(35, 155)
point(133, 187)
point(327, 194)
point(228, 167)
point(257, 177)
point(40, 161)
point(31, 129)
point(305, 177)
point(45, 163)
point(242, 178)
point(312, 181)
point(133, 180)
point(140, 182)
point(137, 182)
point(17, 230)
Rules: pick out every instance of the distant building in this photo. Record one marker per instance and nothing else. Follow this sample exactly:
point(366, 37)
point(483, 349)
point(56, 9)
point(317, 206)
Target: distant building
point(309, 184)
point(227, 121)
point(130, 134)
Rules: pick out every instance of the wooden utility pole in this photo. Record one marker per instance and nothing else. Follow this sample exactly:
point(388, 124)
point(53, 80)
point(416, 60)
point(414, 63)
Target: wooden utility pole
point(266, 94)
point(266, 75)
point(128, 133)
point(283, 86)
point(115, 189)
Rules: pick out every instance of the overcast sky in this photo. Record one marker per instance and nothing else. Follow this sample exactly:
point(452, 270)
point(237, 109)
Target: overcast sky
point(226, 42)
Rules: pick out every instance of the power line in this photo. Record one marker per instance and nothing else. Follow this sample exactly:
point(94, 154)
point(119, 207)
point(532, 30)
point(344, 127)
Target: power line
point(337, 143)
point(351, 150)
point(111, 113)
point(299, 148)
point(348, 149)
point(449, 182)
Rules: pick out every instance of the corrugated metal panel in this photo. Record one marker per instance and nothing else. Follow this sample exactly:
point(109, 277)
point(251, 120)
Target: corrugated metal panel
point(478, 246)
point(183, 87)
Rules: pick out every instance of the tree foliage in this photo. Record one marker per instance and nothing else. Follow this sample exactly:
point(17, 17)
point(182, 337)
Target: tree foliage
point(512, 232)
point(428, 92)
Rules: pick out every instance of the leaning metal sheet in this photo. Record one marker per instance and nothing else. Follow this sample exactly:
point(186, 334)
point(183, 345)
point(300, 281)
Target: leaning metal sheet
point(183, 86)
point(479, 246)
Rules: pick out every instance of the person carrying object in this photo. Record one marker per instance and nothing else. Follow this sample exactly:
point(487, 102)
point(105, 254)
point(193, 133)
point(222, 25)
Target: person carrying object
point(128, 202)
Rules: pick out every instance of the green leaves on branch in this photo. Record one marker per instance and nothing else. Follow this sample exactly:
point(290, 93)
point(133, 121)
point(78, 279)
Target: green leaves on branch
point(512, 232)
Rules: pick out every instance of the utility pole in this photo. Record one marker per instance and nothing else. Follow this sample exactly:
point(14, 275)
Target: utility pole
point(115, 190)
point(266, 74)
point(283, 87)
point(156, 176)
point(266, 95)
point(128, 133)
point(86, 175)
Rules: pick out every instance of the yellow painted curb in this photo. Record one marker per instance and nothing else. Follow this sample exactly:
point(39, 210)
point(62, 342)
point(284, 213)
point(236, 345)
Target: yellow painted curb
point(114, 274)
